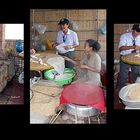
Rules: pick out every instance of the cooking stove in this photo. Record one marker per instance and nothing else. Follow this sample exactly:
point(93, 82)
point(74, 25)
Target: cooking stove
point(65, 116)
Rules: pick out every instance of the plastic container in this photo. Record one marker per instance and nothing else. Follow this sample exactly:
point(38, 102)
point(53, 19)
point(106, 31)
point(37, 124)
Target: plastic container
point(61, 81)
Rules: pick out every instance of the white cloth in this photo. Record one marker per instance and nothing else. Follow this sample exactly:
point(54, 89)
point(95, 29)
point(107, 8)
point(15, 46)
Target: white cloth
point(58, 63)
point(60, 48)
point(71, 39)
point(127, 40)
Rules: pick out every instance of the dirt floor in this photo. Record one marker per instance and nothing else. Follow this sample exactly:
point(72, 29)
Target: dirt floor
point(13, 93)
point(66, 118)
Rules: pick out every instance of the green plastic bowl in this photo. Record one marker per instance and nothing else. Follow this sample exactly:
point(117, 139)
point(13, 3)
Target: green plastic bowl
point(63, 81)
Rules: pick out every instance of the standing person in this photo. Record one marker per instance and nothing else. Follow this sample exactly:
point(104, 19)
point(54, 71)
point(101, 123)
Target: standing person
point(129, 43)
point(89, 69)
point(69, 40)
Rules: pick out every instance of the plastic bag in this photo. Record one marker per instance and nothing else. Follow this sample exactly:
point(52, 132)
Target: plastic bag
point(39, 43)
point(34, 80)
point(73, 26)
point(40, 28)
point(60, 48)
point(19, 46)
point(138, 80)
point(102, 29)
point(21, 78)
point(58, 63)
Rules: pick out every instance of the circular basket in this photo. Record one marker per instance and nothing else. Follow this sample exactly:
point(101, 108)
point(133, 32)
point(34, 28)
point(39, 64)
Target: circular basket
point(131, 59)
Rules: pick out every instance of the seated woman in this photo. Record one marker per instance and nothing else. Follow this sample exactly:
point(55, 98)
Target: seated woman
point(88, 70)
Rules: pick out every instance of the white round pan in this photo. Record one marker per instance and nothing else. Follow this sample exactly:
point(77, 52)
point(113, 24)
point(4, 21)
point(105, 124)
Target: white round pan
point(125, 99)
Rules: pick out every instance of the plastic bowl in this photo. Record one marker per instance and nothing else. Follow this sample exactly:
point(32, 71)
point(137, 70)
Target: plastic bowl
point(62, 81)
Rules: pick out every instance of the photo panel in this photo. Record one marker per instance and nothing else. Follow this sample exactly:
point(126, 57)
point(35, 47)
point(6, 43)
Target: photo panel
point(67, 56)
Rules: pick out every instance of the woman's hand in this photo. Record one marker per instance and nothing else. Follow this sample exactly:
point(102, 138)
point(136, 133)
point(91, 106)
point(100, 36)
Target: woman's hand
point(66, 58)
point(70, 60)
point(82, 66)
point(78, 64)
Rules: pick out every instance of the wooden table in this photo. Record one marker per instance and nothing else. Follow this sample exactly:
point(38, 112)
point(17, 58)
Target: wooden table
point(44, 56)
point(131, 59)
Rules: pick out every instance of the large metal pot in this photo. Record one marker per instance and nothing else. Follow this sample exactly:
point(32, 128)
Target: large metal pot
point(81, 111)
point(126, 101)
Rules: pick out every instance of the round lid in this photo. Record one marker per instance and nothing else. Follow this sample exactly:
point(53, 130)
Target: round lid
point(82, 94)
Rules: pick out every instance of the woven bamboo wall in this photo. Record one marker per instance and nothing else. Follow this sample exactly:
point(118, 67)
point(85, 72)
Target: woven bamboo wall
point(2, 27)
point(119, 29)
point(87, 23)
